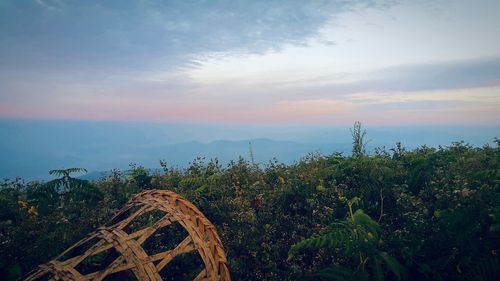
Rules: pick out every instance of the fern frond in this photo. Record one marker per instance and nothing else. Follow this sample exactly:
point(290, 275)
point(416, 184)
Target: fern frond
point(66, 181)
point(347, 235)
point(357, 236)
point(362, 219)
point(66, 172)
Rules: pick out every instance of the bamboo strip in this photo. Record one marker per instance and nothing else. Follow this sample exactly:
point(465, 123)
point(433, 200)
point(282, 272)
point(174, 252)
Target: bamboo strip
point(202, 237)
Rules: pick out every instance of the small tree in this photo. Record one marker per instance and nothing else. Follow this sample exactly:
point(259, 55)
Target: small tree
point(66, 181)
point(358, 140)
point(250, 152)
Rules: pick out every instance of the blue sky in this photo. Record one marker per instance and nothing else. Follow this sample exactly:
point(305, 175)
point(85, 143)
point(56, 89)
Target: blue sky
point(251, 62)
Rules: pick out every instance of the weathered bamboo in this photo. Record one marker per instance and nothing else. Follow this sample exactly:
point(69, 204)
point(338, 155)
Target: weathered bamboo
point(202, 237)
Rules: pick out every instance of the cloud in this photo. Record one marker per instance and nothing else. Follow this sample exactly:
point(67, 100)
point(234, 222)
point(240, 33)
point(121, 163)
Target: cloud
point(478, 73)
point(486, 95)
point(440, 75)
point(245, 61)
point(108, 35)
point(314, 107)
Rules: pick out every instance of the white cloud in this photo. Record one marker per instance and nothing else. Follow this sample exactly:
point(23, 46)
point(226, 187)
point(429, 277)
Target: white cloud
point(368, 39)
point(486, 96)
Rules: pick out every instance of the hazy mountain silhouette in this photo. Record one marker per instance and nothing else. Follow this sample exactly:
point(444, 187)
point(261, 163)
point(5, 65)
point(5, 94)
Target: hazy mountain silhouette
point(29, 149)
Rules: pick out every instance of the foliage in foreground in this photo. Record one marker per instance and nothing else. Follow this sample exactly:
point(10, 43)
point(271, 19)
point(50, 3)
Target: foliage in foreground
point(357, 238)
point(426, 214)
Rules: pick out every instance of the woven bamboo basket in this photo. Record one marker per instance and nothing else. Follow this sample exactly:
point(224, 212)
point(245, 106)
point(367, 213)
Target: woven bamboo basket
point(128, 245)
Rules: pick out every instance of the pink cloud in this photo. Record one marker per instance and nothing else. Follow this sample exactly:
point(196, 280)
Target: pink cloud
point(314, 111)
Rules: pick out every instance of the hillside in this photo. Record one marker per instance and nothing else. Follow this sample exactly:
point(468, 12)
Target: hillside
point(431, 214)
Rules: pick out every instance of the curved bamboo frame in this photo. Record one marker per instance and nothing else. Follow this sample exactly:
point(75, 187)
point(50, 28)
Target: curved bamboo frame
point(202, 238)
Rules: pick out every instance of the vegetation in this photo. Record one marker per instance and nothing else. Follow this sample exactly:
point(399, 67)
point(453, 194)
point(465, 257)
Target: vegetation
point(424, 214)
point(357, 237)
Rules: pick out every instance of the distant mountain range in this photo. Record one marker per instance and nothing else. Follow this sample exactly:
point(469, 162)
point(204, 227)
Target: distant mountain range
point(38, 162)
point(29, 148)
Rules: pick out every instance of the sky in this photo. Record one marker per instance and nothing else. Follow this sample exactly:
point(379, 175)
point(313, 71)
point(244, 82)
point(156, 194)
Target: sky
point(251, 62)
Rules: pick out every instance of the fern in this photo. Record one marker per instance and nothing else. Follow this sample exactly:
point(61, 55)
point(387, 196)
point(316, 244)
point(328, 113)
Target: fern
point(66, 181)
point(356, 237)
point(349, 235)
point(67, 172)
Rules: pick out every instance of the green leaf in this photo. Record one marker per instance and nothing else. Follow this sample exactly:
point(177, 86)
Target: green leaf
point(393, 265)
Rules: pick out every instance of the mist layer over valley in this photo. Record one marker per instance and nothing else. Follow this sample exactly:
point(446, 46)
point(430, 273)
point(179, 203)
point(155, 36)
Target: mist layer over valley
point(29, 148)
